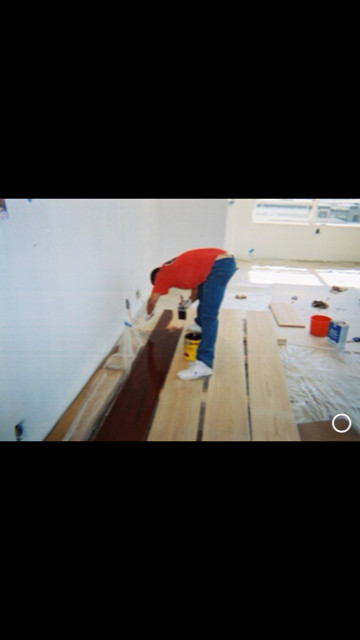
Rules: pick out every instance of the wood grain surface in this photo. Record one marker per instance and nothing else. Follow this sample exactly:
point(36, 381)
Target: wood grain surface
point(131, 414)
point(285, 315)
point(178, 409)
point(323, 431)
point(226, 410)
point(271, 413)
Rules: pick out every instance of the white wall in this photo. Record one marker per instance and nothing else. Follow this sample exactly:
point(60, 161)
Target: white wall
point(189, 224)
point(66, 268)
point(281, 241)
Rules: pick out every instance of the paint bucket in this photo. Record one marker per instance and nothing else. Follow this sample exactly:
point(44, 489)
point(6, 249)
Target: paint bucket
point(319, 325)
point(191, 344)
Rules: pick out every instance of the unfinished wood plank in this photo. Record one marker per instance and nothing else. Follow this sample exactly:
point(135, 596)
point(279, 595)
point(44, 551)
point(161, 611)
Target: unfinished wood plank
point(259, 326)
point(285, 315)
point(271, 413)
point(131, 413)
point(63, 425)
point(226, 411)
point(178, 411)
point(280, 341)
point(177, 414)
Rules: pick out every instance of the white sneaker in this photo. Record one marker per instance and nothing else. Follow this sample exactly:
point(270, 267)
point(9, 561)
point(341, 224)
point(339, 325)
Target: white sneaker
point(195, 370)
point(195, 328)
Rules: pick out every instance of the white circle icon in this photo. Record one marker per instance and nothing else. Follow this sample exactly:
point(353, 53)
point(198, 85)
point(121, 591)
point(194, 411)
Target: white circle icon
point(341, 415)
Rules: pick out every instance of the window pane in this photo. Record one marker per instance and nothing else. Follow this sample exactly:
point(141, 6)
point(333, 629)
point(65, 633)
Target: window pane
point(327, 211)
point(338, 211)
point(283, 210)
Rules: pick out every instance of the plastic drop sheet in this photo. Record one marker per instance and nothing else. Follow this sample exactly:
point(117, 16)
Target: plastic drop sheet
point(322, 383)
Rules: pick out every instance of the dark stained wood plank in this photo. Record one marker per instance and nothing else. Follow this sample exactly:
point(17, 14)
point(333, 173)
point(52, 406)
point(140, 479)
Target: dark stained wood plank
point(131, 414)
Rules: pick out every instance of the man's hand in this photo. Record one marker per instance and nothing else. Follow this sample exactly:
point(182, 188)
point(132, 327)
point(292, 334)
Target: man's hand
point(150, 306)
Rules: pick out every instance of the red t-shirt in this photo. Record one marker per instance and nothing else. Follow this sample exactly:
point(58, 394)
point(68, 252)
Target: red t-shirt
point(186, 271)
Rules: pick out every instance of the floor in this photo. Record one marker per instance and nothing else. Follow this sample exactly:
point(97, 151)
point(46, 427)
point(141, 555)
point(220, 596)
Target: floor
point(322, 382)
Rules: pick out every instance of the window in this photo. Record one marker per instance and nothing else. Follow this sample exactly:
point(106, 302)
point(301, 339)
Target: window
point(308, 211)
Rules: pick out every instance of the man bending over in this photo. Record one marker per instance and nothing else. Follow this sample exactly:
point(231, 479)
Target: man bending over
point(206, 272)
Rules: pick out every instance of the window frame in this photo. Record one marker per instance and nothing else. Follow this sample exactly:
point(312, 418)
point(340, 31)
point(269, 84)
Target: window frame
point(312, 219)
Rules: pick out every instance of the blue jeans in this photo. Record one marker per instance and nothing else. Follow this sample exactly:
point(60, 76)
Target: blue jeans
point(210, 296)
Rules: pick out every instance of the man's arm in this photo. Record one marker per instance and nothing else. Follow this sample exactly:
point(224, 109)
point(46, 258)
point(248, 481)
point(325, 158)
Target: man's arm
point(193, 295)
point(150, 306)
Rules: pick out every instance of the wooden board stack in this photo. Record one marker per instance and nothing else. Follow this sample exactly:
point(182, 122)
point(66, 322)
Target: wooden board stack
point(212, 411)
point(219, 409)
point(245, 398)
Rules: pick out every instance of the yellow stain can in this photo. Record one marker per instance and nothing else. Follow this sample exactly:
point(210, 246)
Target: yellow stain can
point(191, 344)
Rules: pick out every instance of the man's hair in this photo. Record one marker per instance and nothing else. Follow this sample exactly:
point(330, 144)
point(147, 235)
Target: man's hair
point(154, 274)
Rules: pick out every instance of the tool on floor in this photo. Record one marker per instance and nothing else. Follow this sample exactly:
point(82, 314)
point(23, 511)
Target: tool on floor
point(355, 339)
point(337, 289)
point(320, 304)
